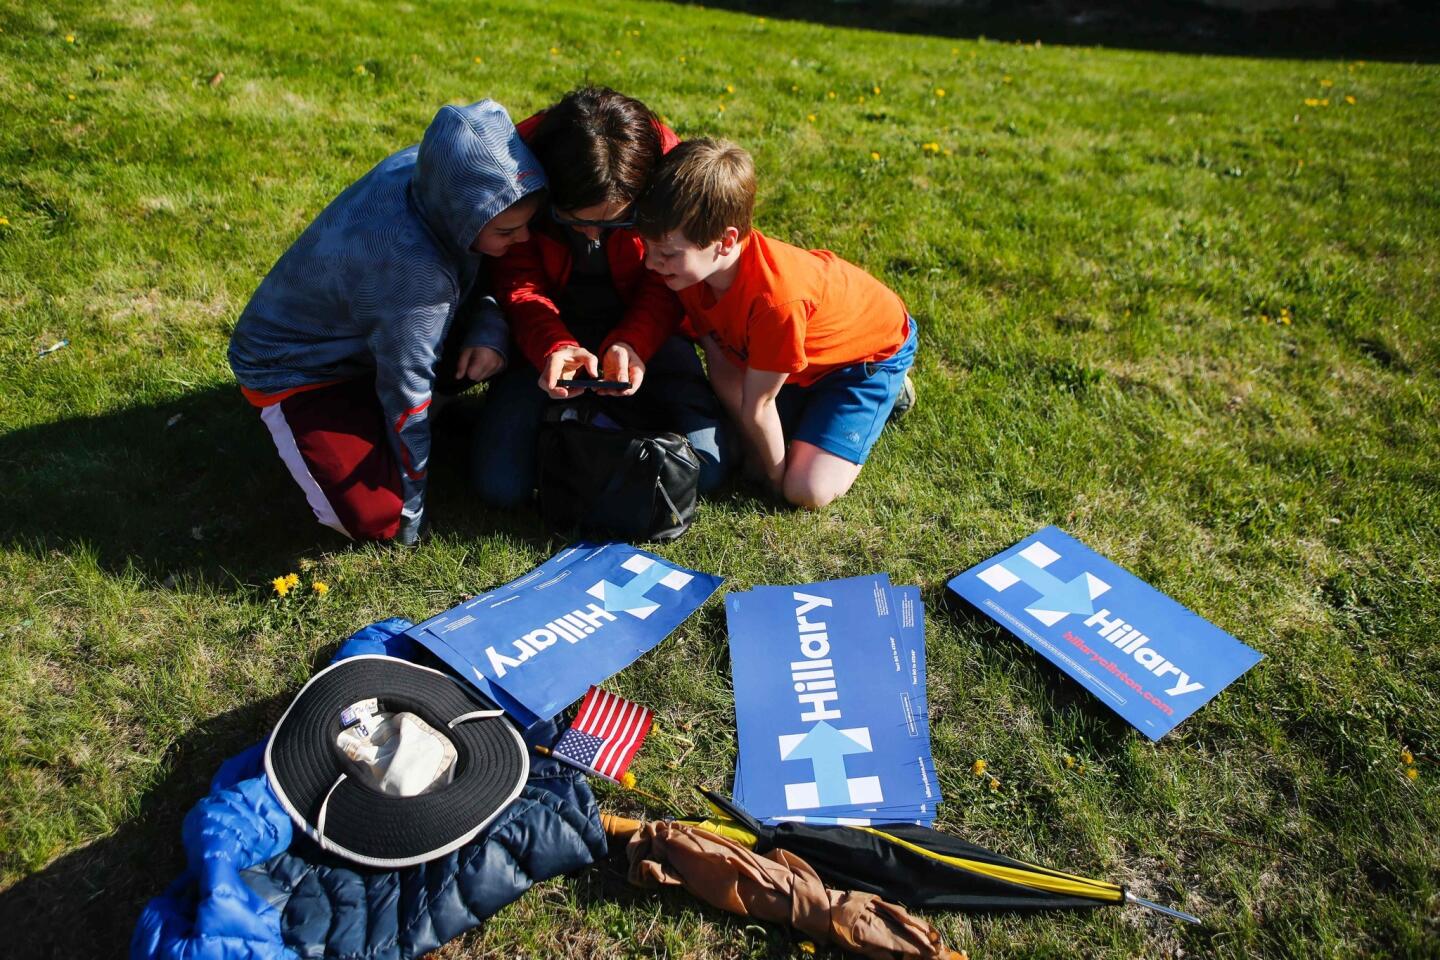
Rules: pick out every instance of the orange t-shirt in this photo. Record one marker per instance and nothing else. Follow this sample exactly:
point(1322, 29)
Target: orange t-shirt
point(801, 312)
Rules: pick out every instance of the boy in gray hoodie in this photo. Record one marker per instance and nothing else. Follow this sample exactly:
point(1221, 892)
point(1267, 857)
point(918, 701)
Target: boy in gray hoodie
point(339, 345)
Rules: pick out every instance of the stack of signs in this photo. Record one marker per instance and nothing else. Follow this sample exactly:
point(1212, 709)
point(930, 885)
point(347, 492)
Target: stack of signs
point(830, 703)
point(1145, 656)
point(535, 645)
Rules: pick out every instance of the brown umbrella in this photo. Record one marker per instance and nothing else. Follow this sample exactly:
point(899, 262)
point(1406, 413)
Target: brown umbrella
point(776, 886)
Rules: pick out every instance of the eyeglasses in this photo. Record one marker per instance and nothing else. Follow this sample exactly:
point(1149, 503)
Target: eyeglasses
point(627, 221)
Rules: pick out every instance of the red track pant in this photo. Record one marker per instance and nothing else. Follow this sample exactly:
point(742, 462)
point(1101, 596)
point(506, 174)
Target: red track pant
point(333, 441)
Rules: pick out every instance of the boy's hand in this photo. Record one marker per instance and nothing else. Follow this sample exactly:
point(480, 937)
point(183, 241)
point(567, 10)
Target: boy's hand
point(622, 363)
point(478, 363)
point(565, 364)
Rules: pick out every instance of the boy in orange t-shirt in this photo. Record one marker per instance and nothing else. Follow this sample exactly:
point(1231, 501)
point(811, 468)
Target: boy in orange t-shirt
point(799, 344)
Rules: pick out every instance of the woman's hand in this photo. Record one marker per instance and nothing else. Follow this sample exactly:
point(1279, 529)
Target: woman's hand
point(624, 364)
point(564, 364)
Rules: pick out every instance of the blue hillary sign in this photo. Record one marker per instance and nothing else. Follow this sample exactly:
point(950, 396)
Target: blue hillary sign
point(1145, 656)
point(535, 645)
point(829, 701)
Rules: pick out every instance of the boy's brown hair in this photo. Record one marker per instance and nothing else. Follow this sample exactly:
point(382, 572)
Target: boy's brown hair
point(701, 187)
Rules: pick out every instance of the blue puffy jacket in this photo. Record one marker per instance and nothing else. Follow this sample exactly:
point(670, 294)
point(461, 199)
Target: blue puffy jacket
point(248, 894)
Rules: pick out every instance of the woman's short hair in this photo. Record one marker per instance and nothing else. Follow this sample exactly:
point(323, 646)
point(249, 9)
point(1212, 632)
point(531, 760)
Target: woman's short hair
point(596, 146)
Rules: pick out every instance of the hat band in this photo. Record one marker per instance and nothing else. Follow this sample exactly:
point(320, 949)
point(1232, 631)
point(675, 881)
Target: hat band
point(325, 804)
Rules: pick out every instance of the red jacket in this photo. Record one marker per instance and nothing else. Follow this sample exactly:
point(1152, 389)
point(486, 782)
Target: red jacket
point(530, 274)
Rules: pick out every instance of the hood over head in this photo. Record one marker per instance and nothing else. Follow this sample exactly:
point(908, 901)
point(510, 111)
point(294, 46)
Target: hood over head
point(471, 166)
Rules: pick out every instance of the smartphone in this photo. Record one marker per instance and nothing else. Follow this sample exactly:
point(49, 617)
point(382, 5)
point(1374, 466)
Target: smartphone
point(588, 384)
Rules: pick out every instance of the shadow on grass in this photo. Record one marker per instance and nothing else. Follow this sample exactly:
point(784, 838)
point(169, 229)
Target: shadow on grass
point(1351, 29)
point(85, 904)
point(193, 489)
point(187, 488)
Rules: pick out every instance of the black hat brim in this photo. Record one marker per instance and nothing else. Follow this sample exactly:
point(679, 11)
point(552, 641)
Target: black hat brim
point(303, 763)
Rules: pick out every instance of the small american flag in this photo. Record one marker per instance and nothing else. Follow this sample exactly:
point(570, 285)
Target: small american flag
point(605, 736)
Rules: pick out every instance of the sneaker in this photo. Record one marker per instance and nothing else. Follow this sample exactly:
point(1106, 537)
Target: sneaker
point(905, 401)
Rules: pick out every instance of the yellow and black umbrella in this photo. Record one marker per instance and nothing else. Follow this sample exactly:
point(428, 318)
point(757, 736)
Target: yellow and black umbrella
point(921, 867)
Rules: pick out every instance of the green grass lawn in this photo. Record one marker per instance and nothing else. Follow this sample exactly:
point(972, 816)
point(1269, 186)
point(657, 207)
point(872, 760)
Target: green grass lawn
point(1167, 304)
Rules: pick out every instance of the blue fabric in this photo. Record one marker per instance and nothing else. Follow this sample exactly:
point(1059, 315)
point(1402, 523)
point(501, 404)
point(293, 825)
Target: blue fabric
point(503, 460)
point(253, 890)
point(844, 411)
point(371, 287)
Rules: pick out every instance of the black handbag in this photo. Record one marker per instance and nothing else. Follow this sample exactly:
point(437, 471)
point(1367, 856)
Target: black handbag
point(604, 478)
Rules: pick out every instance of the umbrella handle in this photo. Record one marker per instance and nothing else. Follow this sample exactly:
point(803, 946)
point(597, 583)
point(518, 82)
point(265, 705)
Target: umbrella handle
point(1168, 911)
point(619, 828)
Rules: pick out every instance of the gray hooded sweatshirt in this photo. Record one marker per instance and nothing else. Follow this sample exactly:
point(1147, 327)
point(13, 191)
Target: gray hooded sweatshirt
point(372, 285)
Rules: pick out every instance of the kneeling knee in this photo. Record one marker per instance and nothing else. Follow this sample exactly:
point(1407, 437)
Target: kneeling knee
point(804, 493)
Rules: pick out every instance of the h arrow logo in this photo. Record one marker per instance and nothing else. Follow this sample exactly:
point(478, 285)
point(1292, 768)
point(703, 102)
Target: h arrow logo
point(1057, 597)
point(631, 597)
point(826, 748)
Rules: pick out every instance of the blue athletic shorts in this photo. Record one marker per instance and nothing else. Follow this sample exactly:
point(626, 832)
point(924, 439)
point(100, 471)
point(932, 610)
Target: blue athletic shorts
point(844, 411)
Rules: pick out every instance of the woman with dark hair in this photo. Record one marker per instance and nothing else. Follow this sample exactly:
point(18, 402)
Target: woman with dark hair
point(580, 302)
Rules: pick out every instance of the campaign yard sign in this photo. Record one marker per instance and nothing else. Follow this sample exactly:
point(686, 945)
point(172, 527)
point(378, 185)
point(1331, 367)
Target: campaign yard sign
point(535, 645)
point(831, 723)
point(1145, 656)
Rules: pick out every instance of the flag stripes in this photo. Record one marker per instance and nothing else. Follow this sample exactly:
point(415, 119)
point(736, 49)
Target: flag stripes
point(620, 725)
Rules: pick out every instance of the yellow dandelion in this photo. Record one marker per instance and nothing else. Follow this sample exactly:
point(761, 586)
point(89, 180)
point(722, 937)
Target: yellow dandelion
point(1080, 769)
point(1312, 102)
point(874, 155)
point(939, 91)
point(979, 767)
point(70, 95)
point(69, 38)
point(320, 587)
point(4, 221)
point(875, 90)
point(806, 947)
point(948, 152)
point(860, 99)
point(794, 88)
point(292, 579)
point(1349, 99)
point(1264, 318)
point(680, 59)
point(994, 784)
point(759, 19)
point(554, 51)
point(1412, 773)
point(479, 60)
point(627, 780)
point(1406, 757)
point(722, 108)
point(830, 95)
point(360, 69)
point(1069, 762)
point(1007, 79)
point(281, 585)
point(729, 88)
point(1325, 101)
point(1285, 319)
point(810, 117)
point(618, 53)
point(1327, 83)
point(634, 33)
point(930, 147)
